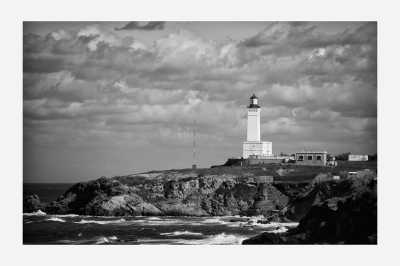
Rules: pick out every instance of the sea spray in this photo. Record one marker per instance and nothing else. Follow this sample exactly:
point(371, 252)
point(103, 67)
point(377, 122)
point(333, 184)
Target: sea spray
point(56, 219)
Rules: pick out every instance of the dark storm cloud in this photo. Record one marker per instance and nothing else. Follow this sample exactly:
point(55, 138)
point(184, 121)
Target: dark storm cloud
point(152, 25)
point(281, 33)
point(33, 43)
point(304, 34)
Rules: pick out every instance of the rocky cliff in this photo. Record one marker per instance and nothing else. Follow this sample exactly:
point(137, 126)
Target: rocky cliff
point(168, 194)
point(331, 212)
point(328, 211)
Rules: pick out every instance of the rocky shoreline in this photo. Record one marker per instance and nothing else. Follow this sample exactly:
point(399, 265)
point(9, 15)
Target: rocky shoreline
point(343, 212)
point(328, 211)
point(188, 196)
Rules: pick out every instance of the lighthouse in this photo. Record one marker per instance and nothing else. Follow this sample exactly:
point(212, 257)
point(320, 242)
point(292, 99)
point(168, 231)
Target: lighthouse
point(253, 146)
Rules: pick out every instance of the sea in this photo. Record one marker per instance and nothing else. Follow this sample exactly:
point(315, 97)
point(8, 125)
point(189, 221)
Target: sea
point(42, 228)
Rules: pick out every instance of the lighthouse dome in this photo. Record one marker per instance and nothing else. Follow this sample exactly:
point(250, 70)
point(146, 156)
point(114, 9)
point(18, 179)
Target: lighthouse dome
point(253, 102)
point(253, 97)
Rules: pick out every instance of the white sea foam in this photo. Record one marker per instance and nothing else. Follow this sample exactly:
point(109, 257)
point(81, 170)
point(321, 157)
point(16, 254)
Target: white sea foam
point(106, 240)
point(154, 218)
point(156, 241)
point(56, 219)
point(280, 229)
point(180, 233)
point(275, 224)
point(277, 227)
point(65, 215)
point(216, 220)
point(36, 213)
point(157, 222)
point(274, 227)
point(219, 239)
point(95, 240)
point(151, 221)
point(83, 221)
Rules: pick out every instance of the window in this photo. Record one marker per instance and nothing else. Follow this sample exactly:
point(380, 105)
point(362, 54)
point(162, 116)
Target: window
point(319, 157)
point(300, 158)
point(309, 157)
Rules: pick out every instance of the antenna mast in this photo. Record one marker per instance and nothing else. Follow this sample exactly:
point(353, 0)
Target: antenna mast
point(194, 145)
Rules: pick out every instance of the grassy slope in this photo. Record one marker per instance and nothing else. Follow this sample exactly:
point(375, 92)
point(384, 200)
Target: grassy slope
point(280, 172)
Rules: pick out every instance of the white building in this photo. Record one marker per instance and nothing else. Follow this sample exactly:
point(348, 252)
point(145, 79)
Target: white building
point(254, 147)
point(358, 157)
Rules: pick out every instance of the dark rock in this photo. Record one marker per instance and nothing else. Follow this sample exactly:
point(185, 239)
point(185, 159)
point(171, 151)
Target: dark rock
point(292, 189)
point(342, 212)
point(32, 203)
point(207, 195)
point(267, 200)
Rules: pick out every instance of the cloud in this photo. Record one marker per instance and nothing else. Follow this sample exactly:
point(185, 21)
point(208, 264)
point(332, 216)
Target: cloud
point(282, 33)
point(152, 25)
point(97, 87)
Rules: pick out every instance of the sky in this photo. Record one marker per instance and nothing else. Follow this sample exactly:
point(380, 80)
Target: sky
point(116, 98)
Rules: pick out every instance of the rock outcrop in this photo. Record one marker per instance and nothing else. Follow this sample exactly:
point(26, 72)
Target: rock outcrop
point(328, 211)
point(332, 212)
point(184, 195)
point(32, 203)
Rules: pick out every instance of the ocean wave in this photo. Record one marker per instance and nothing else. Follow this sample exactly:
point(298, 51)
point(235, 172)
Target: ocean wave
point(106, 240)
point(153, 241)
point(153, 218)
point(219, 239)
point(160, 222)
point(216, 220)
point(56, 219)
point(275, 225)
point(83, 221)
point(65, 215)
point(96, 240)
point(272, 227)
point(180, 233)
point(280, 229)
point(36, 213)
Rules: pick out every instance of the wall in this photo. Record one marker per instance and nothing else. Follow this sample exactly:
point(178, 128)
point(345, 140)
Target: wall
point(314, 160)
point(263, 148)
point(255, 161)
point(253, 124)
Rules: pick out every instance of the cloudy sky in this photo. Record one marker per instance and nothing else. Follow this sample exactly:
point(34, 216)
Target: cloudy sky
point(114, 98)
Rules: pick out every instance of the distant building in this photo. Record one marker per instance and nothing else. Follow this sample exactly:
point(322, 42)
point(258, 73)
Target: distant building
point(318, 158)
point(358, 158)
point(253, 146)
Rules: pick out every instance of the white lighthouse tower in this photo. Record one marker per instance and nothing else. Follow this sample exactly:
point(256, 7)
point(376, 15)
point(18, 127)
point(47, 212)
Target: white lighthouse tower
point(254, 147)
